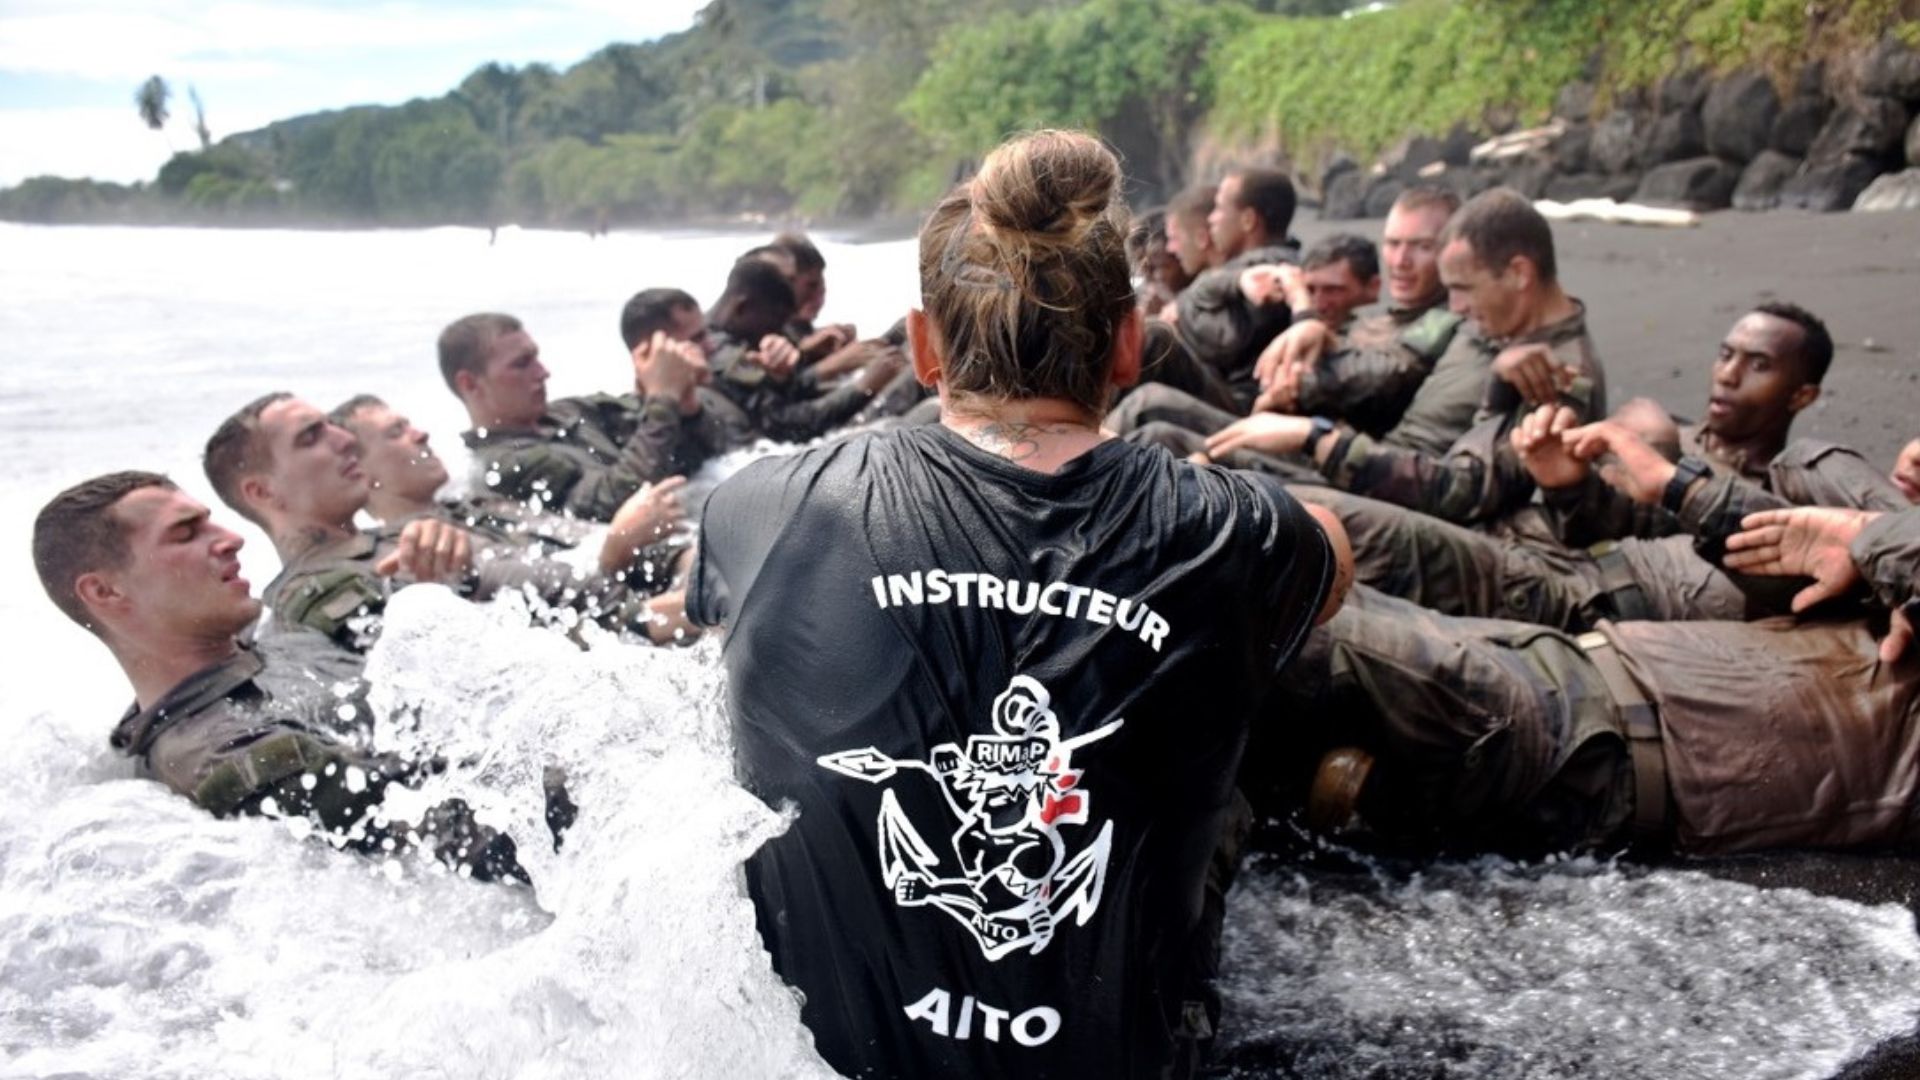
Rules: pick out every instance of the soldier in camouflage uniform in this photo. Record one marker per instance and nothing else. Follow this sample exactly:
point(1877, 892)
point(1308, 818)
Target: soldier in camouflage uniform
point(1231, 311)
point(1641, 543)
point(582, 456)
point(280, 728)
point(1707, 737)
point(759, 369)
point(1370, 375)
point(1526, 345)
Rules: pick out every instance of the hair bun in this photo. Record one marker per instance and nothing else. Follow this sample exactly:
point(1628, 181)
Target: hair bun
point(1049, 185)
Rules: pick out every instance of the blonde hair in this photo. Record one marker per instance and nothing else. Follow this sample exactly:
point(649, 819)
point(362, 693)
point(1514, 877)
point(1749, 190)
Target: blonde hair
point(1024, 275)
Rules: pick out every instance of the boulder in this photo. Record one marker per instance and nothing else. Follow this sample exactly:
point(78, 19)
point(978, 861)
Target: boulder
point(1892, 70)
point(1701, 183)
point(1380, 195)
point(1869, 127)
point(1799, 123)
point(1574, 102)
point(1411, 155)
point(1339, 163)
point(1738, 116)
point(1577, 186)
point(1345, 197)
point(1457, 148)
point(1760, 183)
point(1913, 141)
point(1616, 143)
point(1528, 176)
point(1682, 92)
point(1893, 191)
point(1676, 136)
point(1573, 150)
point(1829, 185)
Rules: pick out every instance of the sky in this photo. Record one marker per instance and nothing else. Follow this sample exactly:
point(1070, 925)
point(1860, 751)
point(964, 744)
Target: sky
point(69, 68)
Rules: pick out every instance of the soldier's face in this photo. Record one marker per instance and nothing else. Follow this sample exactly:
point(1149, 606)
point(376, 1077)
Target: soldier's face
point(810, 289)
point(1410, 253)
point(1191, 243)
point(1906, 471)
point(395, 455)
point(513, 383)
point(1493, 298)
point(182, 574)
point(690, 325)
point(1336, 291)
point(316, 476)
point(1227, 223)
point(1758, 384)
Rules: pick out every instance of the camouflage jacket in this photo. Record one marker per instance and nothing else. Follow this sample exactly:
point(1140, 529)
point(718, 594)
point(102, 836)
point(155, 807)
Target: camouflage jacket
point(263, 732)
point(791, 409)
point(1222, 329)
point(588, 455)
point(1372, 377)
point(1807, 472)
point(1887, 552)
point(1478, 477)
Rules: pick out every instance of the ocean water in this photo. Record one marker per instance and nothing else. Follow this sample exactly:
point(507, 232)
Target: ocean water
point(140, 938)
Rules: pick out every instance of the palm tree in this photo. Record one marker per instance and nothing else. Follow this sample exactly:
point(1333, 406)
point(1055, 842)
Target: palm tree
point(199, 118)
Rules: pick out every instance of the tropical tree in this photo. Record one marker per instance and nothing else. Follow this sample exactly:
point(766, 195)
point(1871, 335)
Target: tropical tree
point(199, 118)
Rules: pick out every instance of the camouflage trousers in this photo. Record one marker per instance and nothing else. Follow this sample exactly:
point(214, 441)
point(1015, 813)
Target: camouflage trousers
point(1487, 734)
point(1524, 575)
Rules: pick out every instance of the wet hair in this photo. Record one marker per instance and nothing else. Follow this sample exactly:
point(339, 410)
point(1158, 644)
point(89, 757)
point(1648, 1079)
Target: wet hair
point(344, 412)
point(1499, 224)
point(1357, 252)
point(758, 283)
point(651, 311)
point(1428, 197)
point(1023, 272)
point(1192, 205)
point(77, 533)
point(465, 341)
point(1269, 194)
point(773, 255)
point(239, 449)
point(805, 256)
point(1816, 344)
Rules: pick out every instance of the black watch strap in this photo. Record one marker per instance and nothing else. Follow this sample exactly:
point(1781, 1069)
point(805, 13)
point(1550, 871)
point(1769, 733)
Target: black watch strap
point(1685, 472)
point(1322, 427)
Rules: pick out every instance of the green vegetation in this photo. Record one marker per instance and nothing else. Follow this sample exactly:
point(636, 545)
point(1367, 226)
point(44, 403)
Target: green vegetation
point(858, 107)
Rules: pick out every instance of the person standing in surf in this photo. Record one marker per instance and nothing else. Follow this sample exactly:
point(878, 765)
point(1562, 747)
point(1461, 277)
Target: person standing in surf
point(1005, 667)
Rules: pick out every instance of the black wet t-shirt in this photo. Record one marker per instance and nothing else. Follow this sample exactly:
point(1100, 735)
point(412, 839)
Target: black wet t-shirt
point(1009, 707)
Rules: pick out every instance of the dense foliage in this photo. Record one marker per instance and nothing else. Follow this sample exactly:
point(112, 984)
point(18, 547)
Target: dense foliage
point(858, 107)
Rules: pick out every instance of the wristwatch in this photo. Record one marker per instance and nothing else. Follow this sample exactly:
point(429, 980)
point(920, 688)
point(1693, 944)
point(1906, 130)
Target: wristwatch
point(1685, 472)
point(1320, 429)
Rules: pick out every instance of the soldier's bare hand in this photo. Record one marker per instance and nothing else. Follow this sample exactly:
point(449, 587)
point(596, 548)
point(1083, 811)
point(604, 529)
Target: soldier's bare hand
point(1804, 541)
point(1636, 469)
point(1269, 433)
point(1899, 634)
point(777, 355)
point(1532, 370)
point(429, 550)
point(1538, 441)
point(670, 369)
point(1906, 471)
point(647, 515)
point(1263, 285)
point(1303, 344)
point(886, 365)
point(667, 622)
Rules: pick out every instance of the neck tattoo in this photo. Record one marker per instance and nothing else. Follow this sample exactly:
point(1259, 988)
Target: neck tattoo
point(1017, 441)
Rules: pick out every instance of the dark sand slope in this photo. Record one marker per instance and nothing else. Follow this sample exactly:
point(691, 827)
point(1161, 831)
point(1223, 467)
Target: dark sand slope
point(1658, 301)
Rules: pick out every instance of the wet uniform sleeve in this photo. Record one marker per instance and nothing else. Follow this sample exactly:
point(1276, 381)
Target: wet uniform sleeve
point(1887, 552)
point(1593, 511)
point(1370, 386)
point(793, 416)
point(1219, 326)
point(1478, 478)
point(327, 601)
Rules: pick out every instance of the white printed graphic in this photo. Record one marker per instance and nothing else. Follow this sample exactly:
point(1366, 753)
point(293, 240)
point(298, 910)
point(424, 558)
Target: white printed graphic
point(1006, 875)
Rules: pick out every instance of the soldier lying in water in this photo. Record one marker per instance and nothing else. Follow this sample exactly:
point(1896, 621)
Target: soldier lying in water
point(280, 462)
point(1704, 737)
point(237, 728)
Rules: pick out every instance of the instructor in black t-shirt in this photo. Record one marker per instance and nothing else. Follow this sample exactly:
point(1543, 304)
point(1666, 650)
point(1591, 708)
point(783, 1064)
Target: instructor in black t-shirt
point(1004, 666)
